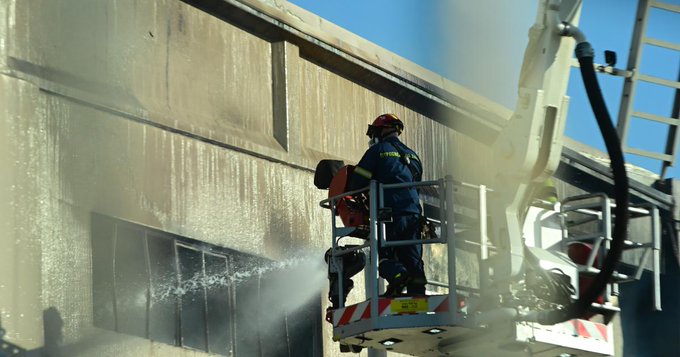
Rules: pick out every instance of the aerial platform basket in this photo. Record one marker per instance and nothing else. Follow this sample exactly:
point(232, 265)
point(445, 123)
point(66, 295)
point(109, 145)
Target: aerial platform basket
point(461, 320)
point(424, 326)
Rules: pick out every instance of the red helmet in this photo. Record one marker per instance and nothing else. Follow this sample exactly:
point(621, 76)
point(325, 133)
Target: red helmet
point(384, 121)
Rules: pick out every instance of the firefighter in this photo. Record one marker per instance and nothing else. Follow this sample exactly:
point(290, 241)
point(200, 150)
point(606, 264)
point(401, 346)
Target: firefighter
point(389, 161)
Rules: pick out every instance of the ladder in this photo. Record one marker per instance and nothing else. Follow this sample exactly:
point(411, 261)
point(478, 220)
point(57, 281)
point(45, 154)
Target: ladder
point(633, 75)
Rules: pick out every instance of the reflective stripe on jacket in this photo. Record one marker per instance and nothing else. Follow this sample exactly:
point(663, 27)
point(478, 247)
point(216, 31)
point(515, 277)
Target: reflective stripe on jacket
point(382, 162)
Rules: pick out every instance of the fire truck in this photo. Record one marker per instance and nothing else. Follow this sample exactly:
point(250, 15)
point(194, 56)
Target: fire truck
point(526, 275)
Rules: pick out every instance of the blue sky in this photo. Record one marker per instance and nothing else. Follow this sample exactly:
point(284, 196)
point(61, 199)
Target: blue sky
point(480, 44)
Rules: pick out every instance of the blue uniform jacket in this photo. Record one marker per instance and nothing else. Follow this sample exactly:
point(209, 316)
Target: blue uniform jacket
point(382, 162)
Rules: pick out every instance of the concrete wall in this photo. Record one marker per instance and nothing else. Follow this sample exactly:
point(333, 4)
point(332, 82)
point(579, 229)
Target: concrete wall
point(194, 123)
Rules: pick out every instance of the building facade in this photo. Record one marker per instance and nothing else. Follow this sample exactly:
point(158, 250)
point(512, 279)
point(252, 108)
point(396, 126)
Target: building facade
point(144, 143)
point(157, 162)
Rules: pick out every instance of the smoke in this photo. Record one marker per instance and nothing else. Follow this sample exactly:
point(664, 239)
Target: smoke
point(303, 280)
point(282, 289)
point(486, 44)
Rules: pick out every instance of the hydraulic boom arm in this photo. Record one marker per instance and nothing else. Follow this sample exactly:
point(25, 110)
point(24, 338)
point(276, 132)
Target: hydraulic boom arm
point(528, 149)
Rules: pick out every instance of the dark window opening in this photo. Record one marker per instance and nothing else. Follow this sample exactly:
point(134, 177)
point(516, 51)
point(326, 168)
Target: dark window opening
point(183, 292)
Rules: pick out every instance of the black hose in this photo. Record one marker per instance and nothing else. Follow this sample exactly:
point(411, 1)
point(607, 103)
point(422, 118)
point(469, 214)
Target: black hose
point(584, 53)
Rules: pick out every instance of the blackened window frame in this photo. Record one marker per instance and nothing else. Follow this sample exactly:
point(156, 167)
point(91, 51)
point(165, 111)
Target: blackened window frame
point(106, 240)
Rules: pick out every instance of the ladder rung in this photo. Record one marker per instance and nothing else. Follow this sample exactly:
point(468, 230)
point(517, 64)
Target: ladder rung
point(649, 154)
point(639, 212)
point(629, 244)
point(665, 6)
point(477, 244)
point(616, 276)
point(660, 43)
point(589, 208)
point(659, 81)
point(592, 209)
point(605, 307)
point(607, 310)
point(584, 237)
point(656, 118)
point(631, 209)
point(595, 213)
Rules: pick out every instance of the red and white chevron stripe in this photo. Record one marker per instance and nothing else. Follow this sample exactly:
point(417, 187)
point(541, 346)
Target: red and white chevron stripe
point(362, 310)
point(581, 328)
point(589, 329)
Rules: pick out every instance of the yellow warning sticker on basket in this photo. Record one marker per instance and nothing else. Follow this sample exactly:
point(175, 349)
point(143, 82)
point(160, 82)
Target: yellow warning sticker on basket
point(408, 306)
